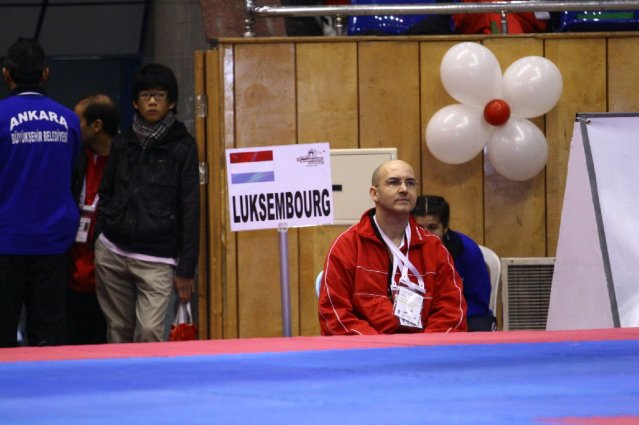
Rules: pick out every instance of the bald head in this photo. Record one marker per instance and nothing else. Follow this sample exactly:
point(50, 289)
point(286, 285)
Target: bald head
point(99, 107)
point(95, 98)
point(394, 191)
point(384, 169)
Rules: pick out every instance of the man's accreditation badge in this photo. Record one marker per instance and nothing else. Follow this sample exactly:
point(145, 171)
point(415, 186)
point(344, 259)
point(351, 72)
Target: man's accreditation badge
point(408, 307)
point(83, 229)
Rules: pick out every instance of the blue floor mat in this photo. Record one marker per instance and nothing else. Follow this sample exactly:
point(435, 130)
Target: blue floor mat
point(459, 384)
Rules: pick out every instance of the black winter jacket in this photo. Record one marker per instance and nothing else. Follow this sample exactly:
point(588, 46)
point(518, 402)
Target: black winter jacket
point(149, 198)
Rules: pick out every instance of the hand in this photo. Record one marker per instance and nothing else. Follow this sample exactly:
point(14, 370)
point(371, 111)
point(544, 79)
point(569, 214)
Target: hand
point(184, 287)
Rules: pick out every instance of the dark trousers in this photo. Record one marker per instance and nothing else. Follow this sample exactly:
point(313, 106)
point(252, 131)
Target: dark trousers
point(38, 282)
point(85, 320)
point(484, 323)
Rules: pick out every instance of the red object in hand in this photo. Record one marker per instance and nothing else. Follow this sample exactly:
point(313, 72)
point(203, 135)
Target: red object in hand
point(183, 332)
point(183, 328)
point(496, 112)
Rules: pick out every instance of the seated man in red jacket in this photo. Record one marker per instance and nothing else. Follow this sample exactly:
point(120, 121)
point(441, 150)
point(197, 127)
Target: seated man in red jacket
point(387, 275)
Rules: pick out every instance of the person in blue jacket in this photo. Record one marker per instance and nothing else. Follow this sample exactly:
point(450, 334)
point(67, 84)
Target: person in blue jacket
point(433, 213)
point(39, 140)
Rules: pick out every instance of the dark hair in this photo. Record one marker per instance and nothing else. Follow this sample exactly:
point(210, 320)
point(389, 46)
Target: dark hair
point(152, 76)
point(101, 107)
point(25, 62)
point(432, 205)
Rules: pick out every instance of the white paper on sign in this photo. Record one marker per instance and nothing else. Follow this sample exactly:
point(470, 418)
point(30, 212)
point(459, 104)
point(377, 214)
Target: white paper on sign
point(286, 185)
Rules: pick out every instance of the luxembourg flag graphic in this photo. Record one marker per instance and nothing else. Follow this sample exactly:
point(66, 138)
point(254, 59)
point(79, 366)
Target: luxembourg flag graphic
point(252, 167)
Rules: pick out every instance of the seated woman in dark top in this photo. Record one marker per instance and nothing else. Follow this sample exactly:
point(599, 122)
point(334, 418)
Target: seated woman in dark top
point(433, 213)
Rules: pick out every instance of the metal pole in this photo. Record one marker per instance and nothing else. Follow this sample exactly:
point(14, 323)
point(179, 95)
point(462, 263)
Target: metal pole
point(441, 8)
point(284, 280)
point(339, 25)
point(344, 11)
point(504, 22)
point(249, 21)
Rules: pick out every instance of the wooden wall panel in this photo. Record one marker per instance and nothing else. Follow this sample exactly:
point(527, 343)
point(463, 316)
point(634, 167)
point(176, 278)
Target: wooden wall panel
point(389, 98)
point(202, 285)
point(514, 211)
point(213, 200)
point(264, 94)
point(460, 184)
point(623, 63)
point(265, 115)
point(327, 94)
point(364, 92)
point(326, 111)
point(582, 63)
point(228, 305)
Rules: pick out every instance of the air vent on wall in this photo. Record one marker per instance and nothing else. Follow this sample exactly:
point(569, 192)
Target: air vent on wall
point(526, 286)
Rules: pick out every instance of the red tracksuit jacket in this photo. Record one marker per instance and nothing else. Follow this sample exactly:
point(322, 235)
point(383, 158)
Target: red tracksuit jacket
point(354, 293)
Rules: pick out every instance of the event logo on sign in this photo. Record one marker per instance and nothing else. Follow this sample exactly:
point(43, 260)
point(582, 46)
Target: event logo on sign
point(312, 158)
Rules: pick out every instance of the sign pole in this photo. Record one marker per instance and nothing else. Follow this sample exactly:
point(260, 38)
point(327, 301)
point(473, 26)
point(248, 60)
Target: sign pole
point(284, 280)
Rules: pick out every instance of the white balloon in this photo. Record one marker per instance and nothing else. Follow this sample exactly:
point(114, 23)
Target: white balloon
point(457, 133)
point(518, 149)
point(471, 74)
point(532, 86)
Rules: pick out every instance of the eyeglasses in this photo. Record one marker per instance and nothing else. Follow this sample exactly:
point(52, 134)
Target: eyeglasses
point(396, 183)
point(158, 95)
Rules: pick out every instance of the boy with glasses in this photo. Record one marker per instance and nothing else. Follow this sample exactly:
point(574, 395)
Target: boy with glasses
point(387, 275)
point(148, 214)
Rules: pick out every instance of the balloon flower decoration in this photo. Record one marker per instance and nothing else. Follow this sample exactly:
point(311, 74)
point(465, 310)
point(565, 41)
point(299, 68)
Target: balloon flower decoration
point(494, 110)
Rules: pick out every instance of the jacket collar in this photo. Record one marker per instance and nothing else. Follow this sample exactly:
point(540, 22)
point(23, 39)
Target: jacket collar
point(176, 131)
point(369, 230)
point(28, 89)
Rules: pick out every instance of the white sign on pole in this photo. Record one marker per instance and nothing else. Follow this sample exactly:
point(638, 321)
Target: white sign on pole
point(273, 186)
point(596, 273)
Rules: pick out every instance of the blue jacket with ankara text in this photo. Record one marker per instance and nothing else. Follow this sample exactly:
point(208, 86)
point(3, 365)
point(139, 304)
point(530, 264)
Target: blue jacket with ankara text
point(39, 140)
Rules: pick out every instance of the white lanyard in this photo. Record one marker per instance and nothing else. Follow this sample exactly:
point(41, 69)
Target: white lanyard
point(83, 194)
point(400, 260)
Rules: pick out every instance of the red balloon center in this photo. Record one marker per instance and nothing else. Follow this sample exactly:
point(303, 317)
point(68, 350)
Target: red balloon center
point(496, 112)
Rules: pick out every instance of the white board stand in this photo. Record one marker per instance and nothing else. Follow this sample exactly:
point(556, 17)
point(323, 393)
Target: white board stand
point(596, 270)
